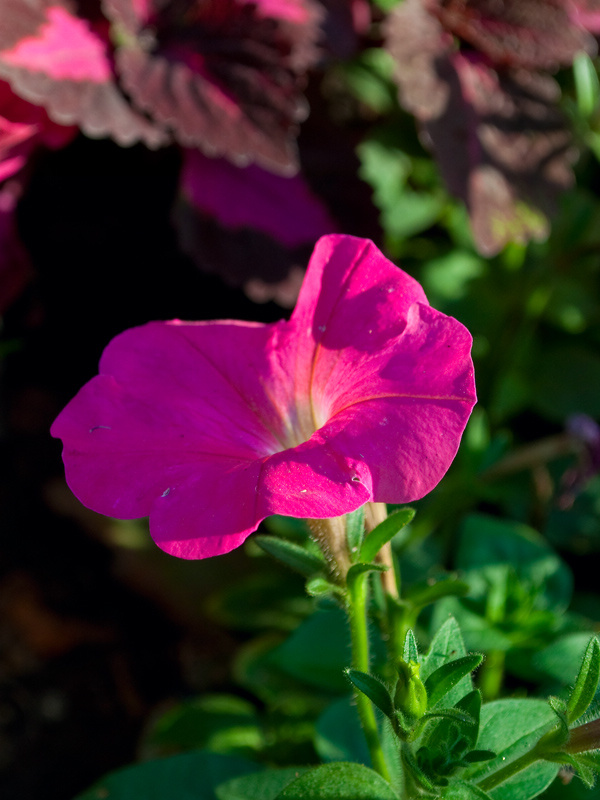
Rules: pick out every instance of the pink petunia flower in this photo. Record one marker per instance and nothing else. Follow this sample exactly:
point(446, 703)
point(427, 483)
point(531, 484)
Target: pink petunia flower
point(210, 427)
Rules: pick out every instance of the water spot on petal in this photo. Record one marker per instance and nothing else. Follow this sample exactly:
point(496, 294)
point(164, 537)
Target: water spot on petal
point(322, 328)
point(97, 427)
point(303, 490)
point(166, 492)
point(383, 422)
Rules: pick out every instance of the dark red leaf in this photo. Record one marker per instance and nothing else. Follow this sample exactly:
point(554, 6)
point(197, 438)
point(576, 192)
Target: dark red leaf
point(535, 34)
point(249, 197)
point(60, 61)
point(499, 139)
point(223, 75)
point(585, 14)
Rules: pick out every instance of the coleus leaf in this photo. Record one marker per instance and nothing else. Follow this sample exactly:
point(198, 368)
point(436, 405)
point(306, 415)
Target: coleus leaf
point(533, 34)
point(226, 76)
point(253, 228)
point(585, 14)
point(283, 208)
point(63, 62)
point(500, 141)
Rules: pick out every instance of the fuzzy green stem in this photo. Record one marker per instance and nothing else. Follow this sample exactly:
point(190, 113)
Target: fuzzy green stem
point(507, 772)
point(357, 609)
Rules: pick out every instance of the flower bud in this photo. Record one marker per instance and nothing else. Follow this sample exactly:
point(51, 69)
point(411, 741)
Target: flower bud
point(410, 697)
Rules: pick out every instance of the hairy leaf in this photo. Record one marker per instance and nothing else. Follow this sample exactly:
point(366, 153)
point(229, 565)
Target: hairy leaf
point(384, 532)
point(374, 689)
point(293, 555)
point(339, 781)
point(260, 785)
point(586, 683)
point(445, 678)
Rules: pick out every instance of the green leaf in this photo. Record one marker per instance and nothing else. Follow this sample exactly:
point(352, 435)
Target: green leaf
point(586, 683)
point(460, 790)
point(190, 776)
point(476, 756)
point(445, 678)
point(317, 652)
point(339, 735)
point(355, 531)
point(411, 652)
point(511, 728)
point(384, 532)
point(587, 775)
point(219, 723)
point(374, 689)
point(454, 714)
point(293, 555)
point(356, 570)
point(338, 781)
point(260, 785)
point(421, 596)
point(528, 784)
point(587, 90)
point(446, 645)
point(560, 659)
point(489, 545)
point(590, 759)
point(319, 587)
point(559, 707)
point(471, 704)
point(415, 771)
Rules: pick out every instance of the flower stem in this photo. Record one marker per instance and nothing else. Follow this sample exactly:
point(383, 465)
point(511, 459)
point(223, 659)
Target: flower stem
point(357, 609)
point(516, 766)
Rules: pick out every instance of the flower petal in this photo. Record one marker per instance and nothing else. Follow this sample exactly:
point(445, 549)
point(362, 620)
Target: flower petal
point(353, 303)
point(210, 513)
point(210, 427)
